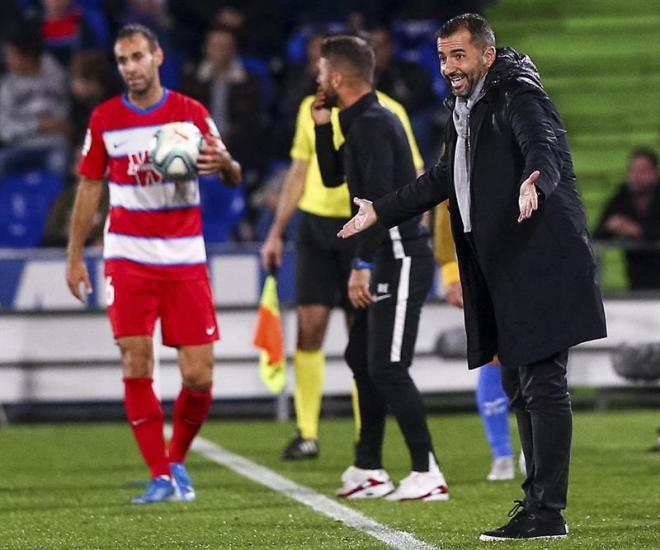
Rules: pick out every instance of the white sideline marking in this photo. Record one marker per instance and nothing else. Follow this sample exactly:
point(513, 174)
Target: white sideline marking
point(308, 497)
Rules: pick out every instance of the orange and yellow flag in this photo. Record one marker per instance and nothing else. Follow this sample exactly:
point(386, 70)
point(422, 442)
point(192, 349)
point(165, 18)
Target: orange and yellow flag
point(268, 336)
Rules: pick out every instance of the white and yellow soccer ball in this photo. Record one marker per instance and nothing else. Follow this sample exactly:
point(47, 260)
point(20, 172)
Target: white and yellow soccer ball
point(174, 149)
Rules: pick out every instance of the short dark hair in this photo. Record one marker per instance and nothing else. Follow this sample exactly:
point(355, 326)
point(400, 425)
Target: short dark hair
point(131, 29)
point(647, 153)
point(27, 40)
point(481, 33)
point(351, 52)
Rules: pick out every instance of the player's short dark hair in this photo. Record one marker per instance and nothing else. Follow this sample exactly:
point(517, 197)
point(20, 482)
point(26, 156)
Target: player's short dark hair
point(352, 53)
point(132, 29)
point(481, 33)
point(647, 153)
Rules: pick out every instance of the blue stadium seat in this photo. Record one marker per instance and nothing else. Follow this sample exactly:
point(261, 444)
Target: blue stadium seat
point(222, 208)
point(25, 201)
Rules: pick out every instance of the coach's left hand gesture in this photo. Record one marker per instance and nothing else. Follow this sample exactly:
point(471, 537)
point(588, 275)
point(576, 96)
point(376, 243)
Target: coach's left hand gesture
point(215, 159)
point(528, 201)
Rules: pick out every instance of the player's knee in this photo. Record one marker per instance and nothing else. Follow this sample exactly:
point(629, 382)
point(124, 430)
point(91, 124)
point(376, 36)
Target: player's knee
point(199, 376)
point(198, 382)
point(137, 361)
point(312, 325)
point(310, 336)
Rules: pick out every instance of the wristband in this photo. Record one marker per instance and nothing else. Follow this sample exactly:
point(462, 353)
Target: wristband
point(357, 263)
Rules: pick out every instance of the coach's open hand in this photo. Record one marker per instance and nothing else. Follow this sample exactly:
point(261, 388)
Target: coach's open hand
point(364, 219)
point(528, 201)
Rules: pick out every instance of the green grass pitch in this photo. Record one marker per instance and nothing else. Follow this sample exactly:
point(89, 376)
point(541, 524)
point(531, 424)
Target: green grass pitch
point(68, 486)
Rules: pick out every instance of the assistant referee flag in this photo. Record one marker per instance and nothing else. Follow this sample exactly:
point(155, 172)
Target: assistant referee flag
point(268, 336)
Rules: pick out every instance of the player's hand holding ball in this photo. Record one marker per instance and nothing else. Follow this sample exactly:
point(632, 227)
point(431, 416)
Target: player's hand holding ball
point(215, 159)
point(213, 155)
point(174, 150)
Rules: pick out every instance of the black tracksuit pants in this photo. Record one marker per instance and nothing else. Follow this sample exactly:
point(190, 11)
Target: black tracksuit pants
point(539, 397)
point(379, 352)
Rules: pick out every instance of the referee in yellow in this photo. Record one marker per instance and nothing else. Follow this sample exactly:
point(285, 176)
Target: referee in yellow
point(323, 264)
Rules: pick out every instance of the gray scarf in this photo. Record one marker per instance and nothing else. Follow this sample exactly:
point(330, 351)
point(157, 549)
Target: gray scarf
point(461, 117)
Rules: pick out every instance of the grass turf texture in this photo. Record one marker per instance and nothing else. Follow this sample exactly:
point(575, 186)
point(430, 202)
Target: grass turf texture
point(69, 487)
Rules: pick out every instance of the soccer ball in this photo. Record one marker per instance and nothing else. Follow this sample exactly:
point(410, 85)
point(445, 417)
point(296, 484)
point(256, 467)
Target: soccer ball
point(174, 149)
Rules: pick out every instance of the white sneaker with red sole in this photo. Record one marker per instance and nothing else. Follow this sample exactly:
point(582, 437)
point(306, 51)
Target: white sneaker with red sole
point(359, 483)
point(425, 486)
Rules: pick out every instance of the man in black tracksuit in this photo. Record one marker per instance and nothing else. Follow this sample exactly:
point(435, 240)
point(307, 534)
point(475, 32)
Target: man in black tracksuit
point(391, 276)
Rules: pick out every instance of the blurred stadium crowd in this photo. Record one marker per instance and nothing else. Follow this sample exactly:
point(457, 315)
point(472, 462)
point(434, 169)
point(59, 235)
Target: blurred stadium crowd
point(250, 62)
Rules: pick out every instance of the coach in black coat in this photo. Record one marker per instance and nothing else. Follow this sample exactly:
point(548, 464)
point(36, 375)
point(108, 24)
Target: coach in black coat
point(527, 270)
point(531, 289)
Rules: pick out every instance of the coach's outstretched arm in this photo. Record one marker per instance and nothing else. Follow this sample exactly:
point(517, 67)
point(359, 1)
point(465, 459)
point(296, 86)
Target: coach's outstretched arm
point(406, 202)
point(87, 200)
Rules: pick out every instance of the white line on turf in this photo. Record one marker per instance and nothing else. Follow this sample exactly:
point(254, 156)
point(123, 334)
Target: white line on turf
point(308, 497)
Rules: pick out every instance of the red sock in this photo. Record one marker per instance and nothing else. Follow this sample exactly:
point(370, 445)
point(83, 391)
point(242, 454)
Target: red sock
point(146, 418)
point(190, 410)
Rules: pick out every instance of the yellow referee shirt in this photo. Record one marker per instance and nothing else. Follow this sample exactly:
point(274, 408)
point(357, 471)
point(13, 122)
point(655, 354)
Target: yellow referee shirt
point(325, 201)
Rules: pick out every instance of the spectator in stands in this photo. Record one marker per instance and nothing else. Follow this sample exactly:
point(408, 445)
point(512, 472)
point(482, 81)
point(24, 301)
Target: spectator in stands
point(633, 215)
point(90, 82)
point(58, 222)
point(258, 25)
point(299, 82)
point(10, 13)
point(405, 81)
point(266, 200)
point(410, 85)
point(34, 106)
point(154, 15)
point(234, 98)
point(65, 30)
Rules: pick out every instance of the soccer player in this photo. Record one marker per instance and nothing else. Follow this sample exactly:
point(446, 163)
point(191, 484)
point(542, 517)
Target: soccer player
point(323, 264)
point(155, 261)
point(392, 274)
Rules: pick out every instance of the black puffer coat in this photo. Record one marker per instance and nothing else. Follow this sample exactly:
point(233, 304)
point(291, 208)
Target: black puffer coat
point(530, 289)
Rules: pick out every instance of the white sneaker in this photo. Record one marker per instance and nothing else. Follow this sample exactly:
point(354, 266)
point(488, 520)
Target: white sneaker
point(359, 483)
point(421, 486)
point(502, 469)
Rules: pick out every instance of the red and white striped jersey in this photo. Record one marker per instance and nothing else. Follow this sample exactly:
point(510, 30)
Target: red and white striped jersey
point(154, 228)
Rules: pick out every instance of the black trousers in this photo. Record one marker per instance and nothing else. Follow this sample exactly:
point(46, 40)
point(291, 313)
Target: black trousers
point(379, 352)
point(539, 396)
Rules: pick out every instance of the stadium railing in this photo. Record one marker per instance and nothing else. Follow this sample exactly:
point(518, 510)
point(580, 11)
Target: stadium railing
point(55, 351)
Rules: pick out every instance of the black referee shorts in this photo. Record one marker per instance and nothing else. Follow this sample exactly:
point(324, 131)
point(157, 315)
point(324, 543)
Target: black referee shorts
point(323, 262)
point(385, 333)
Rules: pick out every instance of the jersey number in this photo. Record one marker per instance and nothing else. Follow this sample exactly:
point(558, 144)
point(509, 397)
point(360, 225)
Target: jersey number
point(109, 291)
